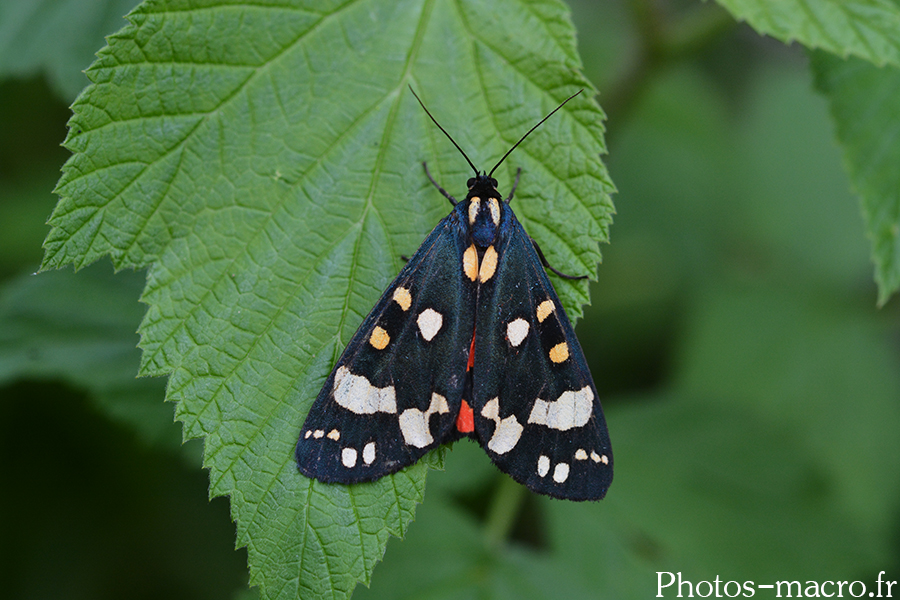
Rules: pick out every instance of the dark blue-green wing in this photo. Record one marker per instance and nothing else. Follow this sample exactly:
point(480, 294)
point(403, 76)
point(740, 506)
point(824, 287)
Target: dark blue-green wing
point(395, 392)
point(537, 413)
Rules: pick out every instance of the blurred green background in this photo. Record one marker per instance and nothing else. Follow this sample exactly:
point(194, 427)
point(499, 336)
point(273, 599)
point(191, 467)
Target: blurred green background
point(751, 385)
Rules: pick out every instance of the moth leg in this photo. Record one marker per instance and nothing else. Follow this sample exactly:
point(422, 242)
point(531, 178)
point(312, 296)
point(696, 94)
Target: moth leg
point(547, 265)
point(440, 189)
point(515, 185)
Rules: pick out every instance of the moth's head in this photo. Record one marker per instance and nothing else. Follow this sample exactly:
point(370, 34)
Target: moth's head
point(483, 186)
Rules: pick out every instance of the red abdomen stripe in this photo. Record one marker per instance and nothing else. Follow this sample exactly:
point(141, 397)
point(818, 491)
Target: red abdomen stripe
point(465, 422)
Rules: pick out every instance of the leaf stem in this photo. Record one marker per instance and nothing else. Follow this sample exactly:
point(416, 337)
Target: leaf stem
point(503, 512)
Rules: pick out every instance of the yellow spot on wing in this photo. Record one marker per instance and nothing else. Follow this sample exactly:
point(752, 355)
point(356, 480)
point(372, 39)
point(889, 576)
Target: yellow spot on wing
point(474, 207)
point(495, 210)
point(403, 298)
point(379, 338)
point(559, 352)
point(488, 264)
point(543, 310)
point(470, 262)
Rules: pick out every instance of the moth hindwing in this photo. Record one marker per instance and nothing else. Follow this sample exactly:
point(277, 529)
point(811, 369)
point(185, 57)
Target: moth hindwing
point(470, 340)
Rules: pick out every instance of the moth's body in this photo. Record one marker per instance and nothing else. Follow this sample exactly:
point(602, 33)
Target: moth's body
point(470, 340)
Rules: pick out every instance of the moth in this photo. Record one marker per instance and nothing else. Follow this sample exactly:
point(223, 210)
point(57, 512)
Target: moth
point(470, 340)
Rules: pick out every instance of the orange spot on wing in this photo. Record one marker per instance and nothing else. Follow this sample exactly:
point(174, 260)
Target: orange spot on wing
point(470, 262)
point(488, 264)
point(465, 421)
point(471, 362)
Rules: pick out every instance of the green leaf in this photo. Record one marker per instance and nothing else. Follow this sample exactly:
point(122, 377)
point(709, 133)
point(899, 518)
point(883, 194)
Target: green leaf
point(81, 329)
point(869, 29)
point(264, 161)
point(57, 37)
point(863, 101)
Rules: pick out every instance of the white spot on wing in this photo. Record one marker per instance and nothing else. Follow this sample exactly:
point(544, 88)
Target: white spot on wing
point(334, 434)
point(543, 466)
point(571, 409)
point(430, 322)
point(356, 394)
point(348, 457)
point(491, 409)
point(599, 459)
point(580, 454)
point(516, 331)
point(561, 472)
point(414, 422)
point(506, 431)
point(369, 453)
point(318, 433)
point(506, 435)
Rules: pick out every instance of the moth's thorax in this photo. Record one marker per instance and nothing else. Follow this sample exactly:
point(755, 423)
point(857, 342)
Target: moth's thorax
point(484, 217)
point(483, 210)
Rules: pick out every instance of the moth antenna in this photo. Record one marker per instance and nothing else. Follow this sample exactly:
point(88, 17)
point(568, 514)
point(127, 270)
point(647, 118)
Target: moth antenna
point(522, 139)
point(422, 104)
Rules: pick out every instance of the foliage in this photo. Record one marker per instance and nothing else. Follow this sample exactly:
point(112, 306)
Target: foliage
point(869, 29)
point(262, 161)
point(867, 119)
